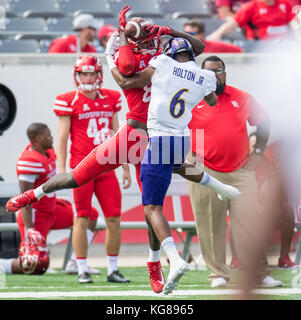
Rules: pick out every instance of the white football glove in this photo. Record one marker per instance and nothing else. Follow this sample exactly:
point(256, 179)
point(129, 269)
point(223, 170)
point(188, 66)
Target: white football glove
point(112, 44)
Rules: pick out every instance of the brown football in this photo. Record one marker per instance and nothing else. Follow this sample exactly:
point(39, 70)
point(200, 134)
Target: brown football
point(133, 28)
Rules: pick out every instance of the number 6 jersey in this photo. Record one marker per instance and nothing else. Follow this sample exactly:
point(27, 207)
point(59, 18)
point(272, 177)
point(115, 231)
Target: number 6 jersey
point(91, 120)
point(176, 89)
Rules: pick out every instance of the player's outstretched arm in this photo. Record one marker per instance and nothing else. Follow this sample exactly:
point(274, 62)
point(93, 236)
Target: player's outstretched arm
point(141, 79)
point(197, 45)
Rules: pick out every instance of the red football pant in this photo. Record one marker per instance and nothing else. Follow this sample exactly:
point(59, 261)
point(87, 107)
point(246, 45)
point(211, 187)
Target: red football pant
point(61, 218)
point(127, 146)
point(108, 194)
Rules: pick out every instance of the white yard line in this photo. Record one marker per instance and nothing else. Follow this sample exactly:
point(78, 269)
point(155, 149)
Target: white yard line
point(140, 293)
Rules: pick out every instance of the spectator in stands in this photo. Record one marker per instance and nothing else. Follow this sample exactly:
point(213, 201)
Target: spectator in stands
point(261, 20)
point(196, 28)
point(227, 8)
point(35, 165)
point(86, 25)
point(225, 154)
point(104, 34)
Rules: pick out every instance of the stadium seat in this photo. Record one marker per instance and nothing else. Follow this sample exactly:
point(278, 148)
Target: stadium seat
point(36, 8)
point(19, 46)
point(60, 24)
point(6, 5)
point(211, 24)
point(189, 9)
point(31, 28)
point(112, 21)
point(99, 8)
point(176, 24)
point(149, 8)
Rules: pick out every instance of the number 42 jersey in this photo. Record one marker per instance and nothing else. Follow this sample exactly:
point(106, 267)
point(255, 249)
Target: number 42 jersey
point(176, 89)
point(91, 120)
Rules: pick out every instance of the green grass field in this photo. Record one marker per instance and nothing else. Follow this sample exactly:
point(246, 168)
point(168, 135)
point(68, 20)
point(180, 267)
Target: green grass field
point(193, 286)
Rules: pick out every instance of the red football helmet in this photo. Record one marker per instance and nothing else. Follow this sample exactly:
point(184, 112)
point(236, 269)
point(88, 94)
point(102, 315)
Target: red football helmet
point(33, 260)
point(146, 43)
point(88, 64)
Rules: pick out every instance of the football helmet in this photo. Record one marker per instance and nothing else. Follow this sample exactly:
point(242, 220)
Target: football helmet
point(146, 43)
point(33, 259)
point(88, 64)
point(176, 45)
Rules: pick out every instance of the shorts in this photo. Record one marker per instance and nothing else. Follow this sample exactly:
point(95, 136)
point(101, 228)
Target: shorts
point(127, 146)
point(107, 192)
point(163, 155)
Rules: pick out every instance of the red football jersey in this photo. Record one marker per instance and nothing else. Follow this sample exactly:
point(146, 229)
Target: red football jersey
point(68, 45)
point(39, 168)
point(138, 98)
point(91, 120)
point(268, 21)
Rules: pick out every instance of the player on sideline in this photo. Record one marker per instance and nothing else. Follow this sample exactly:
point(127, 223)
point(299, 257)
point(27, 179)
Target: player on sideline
point(35, 165)
point(89, 115)
point(127, 146)
point(178, 84)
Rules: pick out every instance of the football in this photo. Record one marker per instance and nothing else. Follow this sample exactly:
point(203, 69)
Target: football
point(135, 28)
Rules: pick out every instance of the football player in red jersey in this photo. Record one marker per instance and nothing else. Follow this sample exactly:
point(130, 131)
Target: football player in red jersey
point(128, 145)
point(36, 165)
point(90, 114)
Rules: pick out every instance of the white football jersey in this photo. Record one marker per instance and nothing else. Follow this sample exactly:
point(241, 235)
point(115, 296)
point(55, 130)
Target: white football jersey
point(176, 89)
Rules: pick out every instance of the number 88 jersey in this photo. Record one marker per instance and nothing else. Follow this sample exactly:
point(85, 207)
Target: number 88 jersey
point(91, 120)
point(176, 89)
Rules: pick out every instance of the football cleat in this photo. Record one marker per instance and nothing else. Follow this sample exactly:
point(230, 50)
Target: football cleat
point(177, 270)
point(286, 263)
point(229, 192)
point(20, 201)
point(85, 278)
point(269, 282)
point(156, 276)
point(117, 277)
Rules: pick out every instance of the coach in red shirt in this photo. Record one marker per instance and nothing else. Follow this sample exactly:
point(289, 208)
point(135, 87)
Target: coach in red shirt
point(225, 153)
point(261, 19)
point(196, 28)
point(85, 24)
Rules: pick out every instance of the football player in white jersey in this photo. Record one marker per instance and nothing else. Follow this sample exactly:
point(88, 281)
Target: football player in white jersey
point(178, 84)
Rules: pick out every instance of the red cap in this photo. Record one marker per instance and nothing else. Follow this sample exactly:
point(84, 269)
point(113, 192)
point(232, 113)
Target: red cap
point(106, 31)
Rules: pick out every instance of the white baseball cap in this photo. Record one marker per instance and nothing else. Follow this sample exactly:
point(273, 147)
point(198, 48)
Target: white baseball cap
point(83, 21)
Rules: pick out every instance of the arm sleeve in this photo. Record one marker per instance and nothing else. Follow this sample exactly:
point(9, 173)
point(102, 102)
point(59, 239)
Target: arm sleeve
point(126, 61)
point(62, 106)
point(30, 166)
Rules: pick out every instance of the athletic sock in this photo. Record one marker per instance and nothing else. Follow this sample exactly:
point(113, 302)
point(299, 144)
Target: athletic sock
point(39, 193)
point(6, 265)
point(154, 256)
point(112, 263)
point(82, 265)
point(170, 249)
